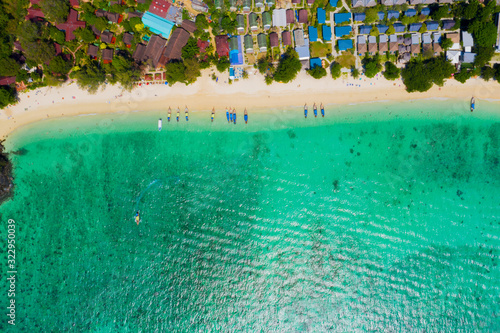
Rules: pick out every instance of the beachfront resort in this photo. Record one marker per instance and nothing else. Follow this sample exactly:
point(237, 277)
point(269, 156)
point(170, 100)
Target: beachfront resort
point(142, 42)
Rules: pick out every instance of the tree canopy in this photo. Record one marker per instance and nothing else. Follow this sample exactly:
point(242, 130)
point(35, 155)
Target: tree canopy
point(90, 77)
point(372, 65)
point(223, 64)
point(317, 72)
point(7, 96)
point(391, 71)
point(419, 75)
point(175, 72)
point(335, 70)
point(191, 49)
point(55, 10)
point(288, 67)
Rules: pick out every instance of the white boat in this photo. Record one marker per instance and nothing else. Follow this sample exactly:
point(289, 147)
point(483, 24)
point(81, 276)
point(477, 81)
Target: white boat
point(159, 124)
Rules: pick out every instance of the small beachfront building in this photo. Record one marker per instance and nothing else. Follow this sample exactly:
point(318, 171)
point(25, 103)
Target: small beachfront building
point(248, 42)
point(240, 23)
point(432, 25)
point(266, 20)
point(315, 62)
point(411, 12)
point(321, 13)
point(343, 31)
point(280, 18)
point(365, 29)
point(327, 33)
point(383, 45)
point(286, 38)
point(313, 34)
point(340, 18)
point(290, 16)
point(298, 36)
point(345, 44)
point(467, 41)
point(252, 22)
point(362, 47)
point(222, 45)
point(303, 51)
point(262, 41)
point(274, 40)
point(303, 16)
point(359, 17)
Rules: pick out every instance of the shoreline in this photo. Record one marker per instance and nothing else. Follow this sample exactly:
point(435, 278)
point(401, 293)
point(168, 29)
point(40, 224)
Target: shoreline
point(205, 94)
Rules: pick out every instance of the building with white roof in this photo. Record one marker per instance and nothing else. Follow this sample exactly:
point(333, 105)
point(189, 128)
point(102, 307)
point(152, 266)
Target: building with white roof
point(467, 41)
point(279, 18)
point(453, 56)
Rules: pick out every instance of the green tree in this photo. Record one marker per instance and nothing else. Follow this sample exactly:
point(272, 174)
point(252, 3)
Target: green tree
point(354, 72)
point(487, 73)
point(485, 33)
point(470, 10)
point(446, 43)
point(40, 51)
point(420, 75)
point(317, 72)
point(423, 28)
point(463, 76)
point(7, 96)
point(8, 67)
point(374, 31)
point(175, 72)
point(228, 25)
point(483, 55)
point(262, 65)
point(288, 67)
point(371, 15)
point(126, 72)
point(268, 79)
point(192, 70)
point(59, 66)
point(201, 22)
point(85, 34)
point(57, 35)
point(90, 77)
point(391, 30)
point(223, 64)
point(191, 49)
point(101, 23)
point(55, 10)
point(372, 65)
point(439, 12)
point(335, 70)
point(391, 71)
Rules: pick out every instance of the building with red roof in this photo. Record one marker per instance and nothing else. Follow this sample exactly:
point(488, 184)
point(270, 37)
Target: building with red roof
point(6, 80)
point(74, 3)
point(160, 8)
point(34, 14)
point(71, 25)
point(222, 45)
point(286, 38)
point(274, 39)
point(202, 45)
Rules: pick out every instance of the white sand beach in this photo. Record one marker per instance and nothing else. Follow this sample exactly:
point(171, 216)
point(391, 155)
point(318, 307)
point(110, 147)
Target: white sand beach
point(203, 95)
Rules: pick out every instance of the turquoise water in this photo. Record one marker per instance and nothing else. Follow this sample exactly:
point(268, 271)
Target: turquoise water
point(384, 219)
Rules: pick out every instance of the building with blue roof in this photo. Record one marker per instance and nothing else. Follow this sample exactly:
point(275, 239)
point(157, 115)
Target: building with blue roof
point(321, 16)
point(157, 24)
point(345, 44)
point(342, 17)
point(333, 3)
point(381, 15)
point(425, 11)
point(365, 29)
point(236, 54)
point(327, 33)
point(398, 27)
point(343, 31)
point(432, 25)
point(303, 51)
point(382, 28)
point(315, 62)
point(411, 12)
point(359, 17)
point(414, 27)
point(392, 14)
point(313, 34)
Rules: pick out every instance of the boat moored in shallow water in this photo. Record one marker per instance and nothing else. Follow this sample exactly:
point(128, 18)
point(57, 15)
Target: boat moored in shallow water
point(234, 116)
point(178, 113)
point(137, 218)
point(315, 110)
point(169, 113)
point(227, 115)
point(213, 114)
point(472, 104)
point(187, 113)
point(322, 110)
point(305, 110)
point(159, 124)
point(245, 116)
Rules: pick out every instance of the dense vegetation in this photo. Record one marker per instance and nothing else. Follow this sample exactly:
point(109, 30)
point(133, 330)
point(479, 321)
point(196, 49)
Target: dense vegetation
point(288, 66)
point(419, 75)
